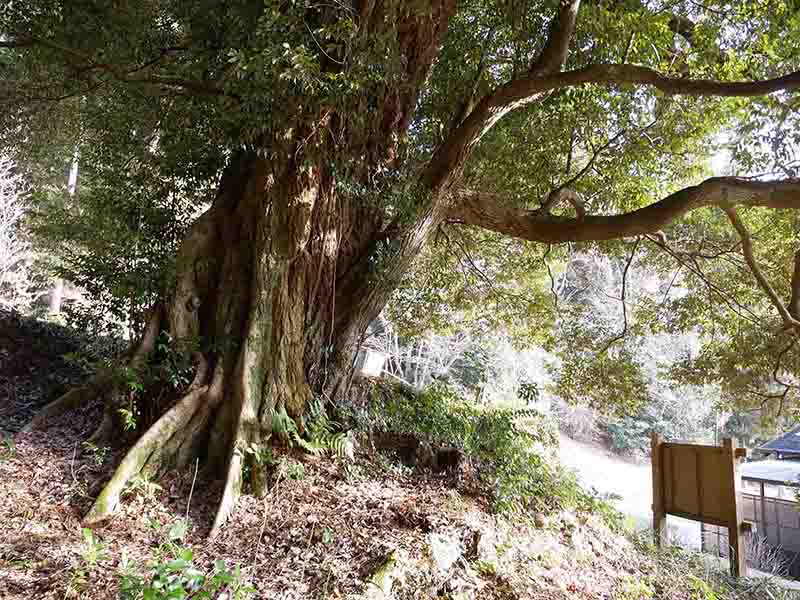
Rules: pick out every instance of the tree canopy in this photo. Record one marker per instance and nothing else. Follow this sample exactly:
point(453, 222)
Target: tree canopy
point(476, 145)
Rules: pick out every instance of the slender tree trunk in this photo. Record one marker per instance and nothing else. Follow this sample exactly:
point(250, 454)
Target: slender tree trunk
point(56, 295)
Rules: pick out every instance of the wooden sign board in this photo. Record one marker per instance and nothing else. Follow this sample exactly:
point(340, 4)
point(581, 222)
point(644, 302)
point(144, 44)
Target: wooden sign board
point(699, 482)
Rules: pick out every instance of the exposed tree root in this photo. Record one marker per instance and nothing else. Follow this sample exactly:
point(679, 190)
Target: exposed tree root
point(100, 384)
point(146, 453)
point(244, 393)
point(69, 401)
point(104, 431)
point(231, 492)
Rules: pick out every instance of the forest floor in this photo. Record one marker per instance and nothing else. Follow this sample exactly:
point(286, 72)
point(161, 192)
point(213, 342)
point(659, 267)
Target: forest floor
point(322, 530)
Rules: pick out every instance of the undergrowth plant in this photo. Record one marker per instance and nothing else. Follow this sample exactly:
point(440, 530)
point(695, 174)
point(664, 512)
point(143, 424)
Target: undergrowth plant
point(8, 448)
point(97, 453)
point(672, 573)
point(144, 486)
point(172, 574)
point(322, 435)
point(507, 443)
point(91, 551)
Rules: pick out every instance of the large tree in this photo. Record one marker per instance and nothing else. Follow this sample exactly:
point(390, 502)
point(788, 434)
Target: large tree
point(342, 137)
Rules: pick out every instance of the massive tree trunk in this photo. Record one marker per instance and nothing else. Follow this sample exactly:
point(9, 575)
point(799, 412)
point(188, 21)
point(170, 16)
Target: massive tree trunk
point(278, 280)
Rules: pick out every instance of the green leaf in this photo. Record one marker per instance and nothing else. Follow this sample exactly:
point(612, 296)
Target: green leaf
point(178, 530)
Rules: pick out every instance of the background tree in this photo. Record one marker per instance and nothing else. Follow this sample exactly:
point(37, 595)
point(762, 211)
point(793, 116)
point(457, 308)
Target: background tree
point(15, 253)
point(342, 137)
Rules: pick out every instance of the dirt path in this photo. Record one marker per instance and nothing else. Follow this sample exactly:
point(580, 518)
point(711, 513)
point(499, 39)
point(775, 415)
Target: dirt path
point(609, 474)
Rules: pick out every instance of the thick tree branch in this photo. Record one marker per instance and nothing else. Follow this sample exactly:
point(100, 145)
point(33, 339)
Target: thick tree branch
point(520, 92)
point(554, 53)
point(489, 211)
point(455, 149)
point(763, 282)
point(560, 194)
point(794, 302)
point(468, 103)
point(88, 64)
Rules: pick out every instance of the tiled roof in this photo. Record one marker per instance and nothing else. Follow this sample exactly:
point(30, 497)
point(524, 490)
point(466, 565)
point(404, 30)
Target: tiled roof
point(788, 442)
point(772, 471)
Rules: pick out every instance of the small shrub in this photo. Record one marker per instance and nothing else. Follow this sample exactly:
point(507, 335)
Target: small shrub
point(632, 588)
point(504, 442)
point(293, 469)
point(768, 559)
point(528, 392)
point(8, 449)
point(91, 552)
point(323, 435)
point(98, 454)
point(327, 535)
point(261, 456)
point(675, 574)
point(353, 473)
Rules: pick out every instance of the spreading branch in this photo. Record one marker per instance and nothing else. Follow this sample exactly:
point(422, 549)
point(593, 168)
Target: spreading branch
point(521, 92)
point(749, 257)
point(85, 63)
point(493, 212)
point(458, 144)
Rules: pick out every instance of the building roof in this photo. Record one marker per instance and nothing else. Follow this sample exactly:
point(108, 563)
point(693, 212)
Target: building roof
point(780, 472)
point(788, 443)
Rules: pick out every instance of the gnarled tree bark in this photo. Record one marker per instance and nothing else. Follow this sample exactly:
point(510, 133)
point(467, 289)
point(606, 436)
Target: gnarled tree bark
point(277, 282)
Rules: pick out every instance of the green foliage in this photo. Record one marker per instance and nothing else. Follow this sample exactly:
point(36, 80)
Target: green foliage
point(8, 448)
point(353, 473)
point(128, 417)
point(672, 573)
point(91, 552)
point(632, 588)
point(322, 435)
point(168, 371)
point(143, 485)
point(608, 382)
point(262, 456)
point(153, 100)
point(528, 392)
point(511, 445)
point(327, 536)
point(172, 574)
point(97, 453)
point(292, 469)
point(676, 419)
point(173, 358)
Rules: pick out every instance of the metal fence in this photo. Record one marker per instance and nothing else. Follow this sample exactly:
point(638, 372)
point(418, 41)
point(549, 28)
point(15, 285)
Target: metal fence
point(773, 512)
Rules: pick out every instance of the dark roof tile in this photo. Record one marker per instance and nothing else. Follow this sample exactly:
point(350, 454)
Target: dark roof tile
point(788, 442)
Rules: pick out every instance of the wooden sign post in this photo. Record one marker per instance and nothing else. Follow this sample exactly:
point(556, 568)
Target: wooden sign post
point(699, 482)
